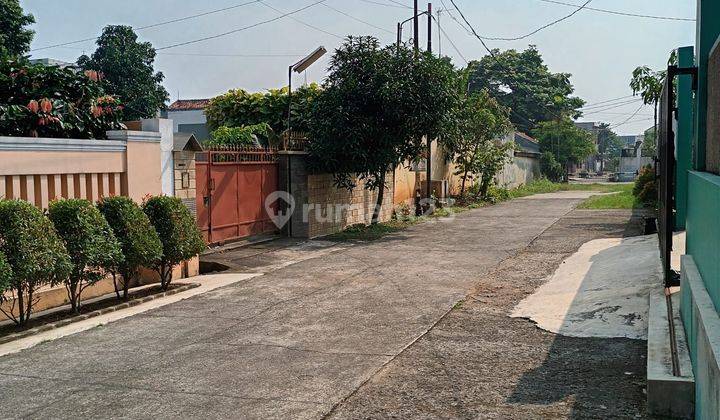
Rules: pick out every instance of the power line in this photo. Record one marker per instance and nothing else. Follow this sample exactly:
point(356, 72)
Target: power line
point(457, 50)
point(387, 5)
point(358, 19)
point(230, 55)
point(608, 100)
point(556, 21)
point(630, 117)
point(167, 22)
point(608, 107)
point(244, 28)
point(615, 12)
point(302, 22)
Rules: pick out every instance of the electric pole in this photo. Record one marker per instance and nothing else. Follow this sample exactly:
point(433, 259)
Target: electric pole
point(416, 29)
point(428, 165)
point(439, 12)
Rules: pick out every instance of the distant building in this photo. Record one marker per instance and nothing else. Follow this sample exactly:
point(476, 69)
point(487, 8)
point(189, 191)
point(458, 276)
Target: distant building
point(629, 141)
point(54, 62)
point(188, 116)
point(526, 143)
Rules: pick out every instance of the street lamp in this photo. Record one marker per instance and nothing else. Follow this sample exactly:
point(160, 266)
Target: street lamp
point(300, 67)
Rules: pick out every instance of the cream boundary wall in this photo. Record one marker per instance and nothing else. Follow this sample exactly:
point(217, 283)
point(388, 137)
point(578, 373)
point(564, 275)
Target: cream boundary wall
point(41, 169)
point(356, 206)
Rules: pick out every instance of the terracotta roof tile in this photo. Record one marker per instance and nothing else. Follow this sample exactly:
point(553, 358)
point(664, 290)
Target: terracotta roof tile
point(189, 104)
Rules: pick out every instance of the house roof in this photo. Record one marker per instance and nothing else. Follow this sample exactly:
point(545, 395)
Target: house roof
point(189, 104)
point(186, 142)
point(526, 143)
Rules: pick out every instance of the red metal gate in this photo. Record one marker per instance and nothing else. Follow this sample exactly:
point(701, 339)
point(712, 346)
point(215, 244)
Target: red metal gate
point(232, 184)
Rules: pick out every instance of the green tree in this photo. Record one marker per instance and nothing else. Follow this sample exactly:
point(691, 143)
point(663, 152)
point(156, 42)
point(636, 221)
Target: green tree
point(551, 168)
point(376, 105)
point(649, 146)
point(649, 85)
point(568, 143)
point(239, 108)
point(609, 145)
point(35, 253)
point(178, 233)
point(15, 38)
point(138, 239)
point(473, 144)
point(49, 101)
point(126, 69)
point(522, 82)
point(90, 242)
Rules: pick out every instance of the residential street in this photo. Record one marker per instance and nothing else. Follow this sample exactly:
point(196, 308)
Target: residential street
point(367, 331)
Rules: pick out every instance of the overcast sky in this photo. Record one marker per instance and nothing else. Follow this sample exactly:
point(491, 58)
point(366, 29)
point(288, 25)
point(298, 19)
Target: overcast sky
point(600, 50)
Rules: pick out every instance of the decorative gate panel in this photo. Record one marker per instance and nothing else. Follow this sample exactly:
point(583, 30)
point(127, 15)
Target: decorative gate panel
point(236, 182)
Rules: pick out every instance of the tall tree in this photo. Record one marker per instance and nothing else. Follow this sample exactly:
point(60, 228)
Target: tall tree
point(126, 69)
point(15, 38)
point(376, 105)
point(649, 84)
point(522, 82)
point(609, 145)
point(566, 142)
point(480, 122)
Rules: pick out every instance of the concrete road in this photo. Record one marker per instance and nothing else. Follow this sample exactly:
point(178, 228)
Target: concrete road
point(293, 343)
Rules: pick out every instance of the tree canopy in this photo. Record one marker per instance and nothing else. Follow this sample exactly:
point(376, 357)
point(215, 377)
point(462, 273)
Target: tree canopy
point(126, 69)
point(566, 142)
point(609, 145)
point(522, 82)
point(376, 105)
point(481, 121)
point(239, 108)
point(15, 38)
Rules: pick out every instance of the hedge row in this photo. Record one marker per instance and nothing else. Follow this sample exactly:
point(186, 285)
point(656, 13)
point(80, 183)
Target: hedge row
point(77, 243)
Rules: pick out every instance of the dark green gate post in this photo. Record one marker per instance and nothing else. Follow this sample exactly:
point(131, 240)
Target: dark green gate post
point(684, 135)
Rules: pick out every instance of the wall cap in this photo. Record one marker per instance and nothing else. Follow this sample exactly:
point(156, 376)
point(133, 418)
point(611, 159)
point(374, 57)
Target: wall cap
point(60, 145)
point(134, 136)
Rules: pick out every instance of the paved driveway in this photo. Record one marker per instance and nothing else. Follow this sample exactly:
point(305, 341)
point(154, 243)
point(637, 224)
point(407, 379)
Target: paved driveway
point(291, 343)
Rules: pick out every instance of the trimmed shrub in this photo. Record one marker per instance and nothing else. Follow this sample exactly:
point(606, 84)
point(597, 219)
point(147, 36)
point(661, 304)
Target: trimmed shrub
point(140, 244)
point(90, 242)
point(645, 188)
point(251, 135)
point(5, 275)
point(180, 237)
point(34, 251)
point(551, 168)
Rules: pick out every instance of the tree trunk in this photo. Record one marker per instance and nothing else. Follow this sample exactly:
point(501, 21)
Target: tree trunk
point(29, 304)
point(378, 204)
point(21, 306)
point(484, 186)
point(127, 277)
point(462, 187)
point(73, 295)
point(165, 271)
point(115, 285)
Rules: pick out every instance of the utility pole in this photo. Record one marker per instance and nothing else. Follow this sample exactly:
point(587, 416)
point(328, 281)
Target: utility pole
point(428, 165)
point(399, 36)
point(439, 12)
point(416, 29)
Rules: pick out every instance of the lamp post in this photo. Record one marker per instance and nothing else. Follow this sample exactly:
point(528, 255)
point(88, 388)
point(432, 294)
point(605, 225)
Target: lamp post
point(300, 67)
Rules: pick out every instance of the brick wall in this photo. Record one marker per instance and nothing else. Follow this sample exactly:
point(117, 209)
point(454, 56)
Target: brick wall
point(185, 187)
point(330, 209)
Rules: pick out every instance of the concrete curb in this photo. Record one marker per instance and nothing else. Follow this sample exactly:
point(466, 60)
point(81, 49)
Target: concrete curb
point(68, 321)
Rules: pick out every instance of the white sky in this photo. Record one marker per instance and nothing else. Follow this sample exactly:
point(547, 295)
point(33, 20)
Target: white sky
point(599, 49)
